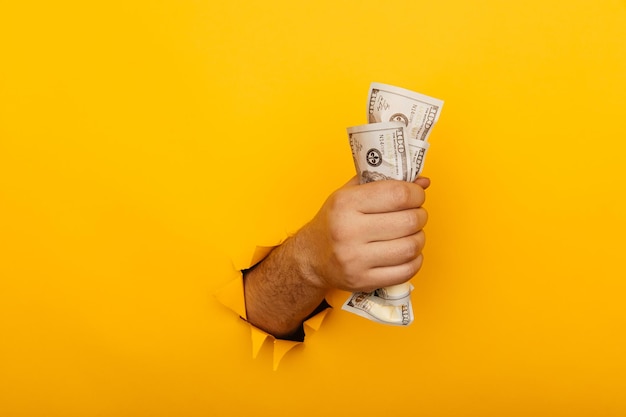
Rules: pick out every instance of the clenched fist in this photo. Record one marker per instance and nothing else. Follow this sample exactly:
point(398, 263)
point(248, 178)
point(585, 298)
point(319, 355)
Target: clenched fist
point(365, 236)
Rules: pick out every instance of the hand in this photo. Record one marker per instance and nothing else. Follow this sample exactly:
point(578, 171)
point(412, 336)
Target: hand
point(365, 236)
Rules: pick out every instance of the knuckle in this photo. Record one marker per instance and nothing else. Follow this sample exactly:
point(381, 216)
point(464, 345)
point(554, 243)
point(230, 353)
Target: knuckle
point(412, 219)
point(341, 200)
point(412, 268)
point(348, 261)
point(336, 273)
point(338, 232)
point(342, 257)
point(352, 279)
point(352, 283)
point(336, 201)
point(421, 240)
point(400, 193)
point(412, 249)
point(423, 213)
point(415, 219)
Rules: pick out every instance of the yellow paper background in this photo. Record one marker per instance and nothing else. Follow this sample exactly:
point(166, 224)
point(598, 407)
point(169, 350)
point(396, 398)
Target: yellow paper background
point(144, 144)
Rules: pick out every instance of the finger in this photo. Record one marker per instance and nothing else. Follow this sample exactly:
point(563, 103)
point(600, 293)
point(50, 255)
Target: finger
point(393, 225)
point(394, 252)
point(388, 195)
point(391, 275)
point(423, 182)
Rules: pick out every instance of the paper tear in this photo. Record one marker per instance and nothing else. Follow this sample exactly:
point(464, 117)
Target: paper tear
point(259, 254)
point(316, 321)
point(231, 295)
point(258, 338)
point(281, 347)
point(248, 258)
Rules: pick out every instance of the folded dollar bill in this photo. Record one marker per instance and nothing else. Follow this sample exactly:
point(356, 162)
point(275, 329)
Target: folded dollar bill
point(378, 306)
point(380, 151)
point(392, 146)
point(416, 111)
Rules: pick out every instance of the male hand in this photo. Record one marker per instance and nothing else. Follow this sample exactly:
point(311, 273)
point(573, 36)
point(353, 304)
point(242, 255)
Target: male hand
point(365, 236)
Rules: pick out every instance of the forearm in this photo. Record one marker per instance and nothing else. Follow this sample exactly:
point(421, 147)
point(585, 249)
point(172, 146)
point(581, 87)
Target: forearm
point(365, 236)
point(278, 291)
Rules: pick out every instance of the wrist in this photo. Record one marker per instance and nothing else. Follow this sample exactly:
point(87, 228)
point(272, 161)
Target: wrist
point(306, 256)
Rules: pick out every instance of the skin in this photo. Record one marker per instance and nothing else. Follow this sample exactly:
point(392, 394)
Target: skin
point(365, 236)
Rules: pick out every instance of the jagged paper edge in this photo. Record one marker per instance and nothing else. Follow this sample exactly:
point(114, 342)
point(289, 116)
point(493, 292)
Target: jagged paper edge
point(231, 295)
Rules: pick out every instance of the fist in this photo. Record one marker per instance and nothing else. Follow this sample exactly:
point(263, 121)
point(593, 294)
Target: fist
point(366, 236)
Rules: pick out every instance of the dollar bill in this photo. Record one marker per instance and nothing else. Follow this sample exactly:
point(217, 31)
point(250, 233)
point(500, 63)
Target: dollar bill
point(416, 111)
point(380, 151)
point(395, 292)
point(376, 308)
point(392, 146)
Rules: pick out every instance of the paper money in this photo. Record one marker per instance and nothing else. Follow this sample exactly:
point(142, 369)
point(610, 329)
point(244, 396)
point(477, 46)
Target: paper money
point(380, 151)
point(392, 146)
point(373, 307)
point(416, 111)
